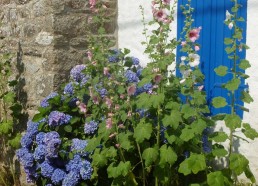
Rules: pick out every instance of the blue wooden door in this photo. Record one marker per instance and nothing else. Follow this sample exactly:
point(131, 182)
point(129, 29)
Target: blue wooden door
point(210, 15)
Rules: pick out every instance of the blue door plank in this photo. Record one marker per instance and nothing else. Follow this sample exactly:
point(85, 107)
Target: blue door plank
point(210, 15)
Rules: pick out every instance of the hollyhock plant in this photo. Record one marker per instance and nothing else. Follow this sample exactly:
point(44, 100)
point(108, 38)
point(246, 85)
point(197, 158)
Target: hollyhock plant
point(194, 34)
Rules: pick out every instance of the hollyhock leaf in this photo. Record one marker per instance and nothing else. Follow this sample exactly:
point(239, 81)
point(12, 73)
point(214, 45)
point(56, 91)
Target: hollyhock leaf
point(219, 137)
point(194, 164)
point(157, 100)
point(219, 102)
point(173, 120)
point(241, 19)
point(233, 121)
point(249, 174)
point(123, 140)
point(233, 84)
point(215, 178)
point(238, 163)
point(143, 101)
point(150, 155)
point(198, 126)
point(187, 134)
point(110, 152)
point(167, 155)
point(99, 159)
point(244, 64)
point(219, 150)
point(122, 169)
point(188, 111)
point(249, 132)
point(142, 131)
point(228, 41)
point(173, 105)
point(221, 70)
point(246, 97)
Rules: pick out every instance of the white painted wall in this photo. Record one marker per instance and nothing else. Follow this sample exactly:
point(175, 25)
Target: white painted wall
point(129, 36)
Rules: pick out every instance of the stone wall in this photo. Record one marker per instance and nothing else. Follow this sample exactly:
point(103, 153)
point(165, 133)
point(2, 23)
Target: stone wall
point(49, 37)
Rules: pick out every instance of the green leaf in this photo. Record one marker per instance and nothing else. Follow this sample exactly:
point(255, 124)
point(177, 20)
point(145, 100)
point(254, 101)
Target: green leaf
point(215, 178)
point(195, 163)
point(110, 152)
point(9, 97)
point(228, 41)
point(238, 163)
point(233, 84)
point(241, 19)
point(6, 127)
point(173, 119)
point(244, 64)
point(123, 140)
point(150, 155)
point(246, 97)
point(15, 142)
point(68, 128)
point(157, 100)
point(188, 111)
point(167, 155)
point(198, 126)
point(221, 70)
point(249, 174)
point(234, 9)
point(99, 159)
point(142, 131)
point(233, 121)
point(249, 132)
point(219, 137)
point(122, 169)
point(219, 102)
point(219, 152)
point(187, 134)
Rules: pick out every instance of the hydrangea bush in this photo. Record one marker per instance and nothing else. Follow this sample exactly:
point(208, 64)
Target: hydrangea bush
point(118, 123)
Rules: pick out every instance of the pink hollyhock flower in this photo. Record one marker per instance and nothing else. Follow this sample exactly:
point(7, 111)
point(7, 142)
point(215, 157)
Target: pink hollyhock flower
point(95, 100)
point(122, 96)
point(109, 123)
point(106, 71)
point(194, 34)
point(230, 25)
point(90, 55)
point(108, 102)
point(228, 16)
point(160, 15)
point(82, 108)
point(131, 90)
point(157, 78)
point(117, 107)
point(196, 48)
point(183, 43)
point(92, 3)
point(167, 2)
point(194, 60)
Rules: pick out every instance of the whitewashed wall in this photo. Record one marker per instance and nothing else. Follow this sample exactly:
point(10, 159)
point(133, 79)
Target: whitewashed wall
point(129, 36)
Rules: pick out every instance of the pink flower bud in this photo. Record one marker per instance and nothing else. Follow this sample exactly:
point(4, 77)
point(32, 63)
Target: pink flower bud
point(157, 78)
point(117, 145)
point(121, 126)
point(196, 48)
point(183, 43)
point(117, 107)
point(131, 90)
point(122, 96)
point(112, 135)
point(106, 71)
point(82, 108)
point(109, 123)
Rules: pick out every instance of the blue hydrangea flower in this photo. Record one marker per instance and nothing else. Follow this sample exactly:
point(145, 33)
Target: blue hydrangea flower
point(50, 136)
point(26, 140)
point(44, 103)
point(147, 87)
point(40, 138)
point(25, 157)
point(86, 170)
point(74, 164)
point(139, 72)
point(84, 81)
point(115, 57)
point(205, 141)
point(91, 127)
point(131, 76)
point(52, 148)
point(46, 169)
point(71, 179)
point(78, 145)
point(57, 118)
point(58, 176)
point(49, 184)
point(135, 60)
point(31, 174)
point(103, 92)
point(72, 102)
point(39, 153)
point(68, 89)
point(76, 73)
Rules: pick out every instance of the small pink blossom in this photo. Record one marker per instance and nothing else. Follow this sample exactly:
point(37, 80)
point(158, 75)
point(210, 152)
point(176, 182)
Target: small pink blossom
point(200, 87)
point(82, 108)
point(94, 63)
point(109, 123)
point(117, 145)
point(157, 78)
point(110, 114)
point(131, 90)
point(106, 71)
point(129, 114)
point(90, 55)
point(160, 15)
point(121, 126)
point(194, 34)
point(196, 48)
point(108, 102)
point(95, 100)
point(230, 25)
point(92, 3)
point(117, 107)
point(167, 2)
point(183, 43)
point(122, 96)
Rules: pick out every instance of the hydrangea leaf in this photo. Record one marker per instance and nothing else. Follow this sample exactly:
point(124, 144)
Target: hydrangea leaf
point(221, 70)
point(219, 102)
point(238, 163)
point(150, 155)
point(142, 131)
point(232, 121)
point(194, 164)
point(246, 97)
point(233, 84)
point(215, 178)
point(167, 155)
point(249, 132)
point(244, 64)
point(219, 137)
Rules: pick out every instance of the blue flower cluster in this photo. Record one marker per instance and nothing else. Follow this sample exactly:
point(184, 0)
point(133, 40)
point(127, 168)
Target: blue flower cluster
point(57, 118)
point(76, 73)
point(115, 57)
point(131, 76)
point(91, 127)
point(135, 60)
point(69, 89)
point(44, 103)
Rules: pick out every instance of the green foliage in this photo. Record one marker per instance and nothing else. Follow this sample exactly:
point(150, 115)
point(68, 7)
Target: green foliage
point(219, 102)
point(194, 164)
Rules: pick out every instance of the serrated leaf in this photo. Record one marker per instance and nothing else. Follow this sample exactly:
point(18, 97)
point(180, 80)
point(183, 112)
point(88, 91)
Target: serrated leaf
point(150, 155)
point(187, 134)
point(219, 102)
point(122, 169)
point(238, 163)
point(167, 155)
point(198, 126)
point(110, 152)
point(249, 132)
point(219, 137)
point(215, 178)
point(6, 127)
point(188, 111)
point(246, 97)
point(123, 139)
point(142, 131)
point(157, 100)
point(221, 70)
point(195, 163)
point(244, 64)
point(233, 121)
point(233, 84)
point(172, 120)
point(99, 159)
